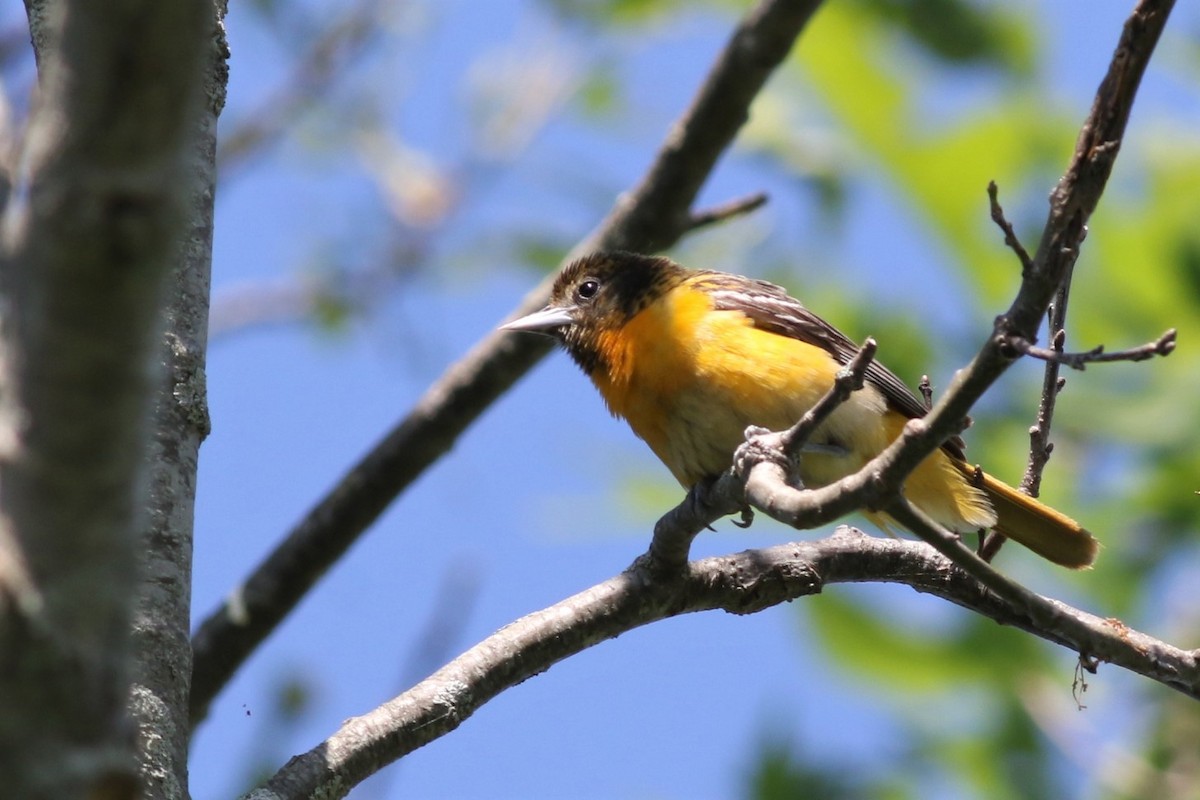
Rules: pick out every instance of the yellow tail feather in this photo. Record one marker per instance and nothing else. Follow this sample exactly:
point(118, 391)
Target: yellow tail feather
point(1049, 533)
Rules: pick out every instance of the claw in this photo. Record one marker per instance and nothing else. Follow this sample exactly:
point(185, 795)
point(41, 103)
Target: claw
point(747, 517)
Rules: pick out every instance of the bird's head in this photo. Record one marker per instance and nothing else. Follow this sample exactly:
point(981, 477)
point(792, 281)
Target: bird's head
point(597, 294)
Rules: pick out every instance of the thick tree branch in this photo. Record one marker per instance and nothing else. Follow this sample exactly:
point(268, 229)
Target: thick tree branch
point(86, 243)
point(740, 584)
point(650, 217)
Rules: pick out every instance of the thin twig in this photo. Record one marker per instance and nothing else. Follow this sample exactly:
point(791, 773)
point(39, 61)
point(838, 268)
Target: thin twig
point(1010, 236)
point(726, 211)
point(991, 542)
point(925, 387)
point(1040, 446)
point(1162, 346)
point(849, 379)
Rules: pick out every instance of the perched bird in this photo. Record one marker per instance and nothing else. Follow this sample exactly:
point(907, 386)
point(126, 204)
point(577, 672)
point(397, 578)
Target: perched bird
point(691, 358)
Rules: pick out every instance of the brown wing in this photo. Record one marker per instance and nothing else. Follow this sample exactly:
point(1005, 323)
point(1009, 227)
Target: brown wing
point(772, 309)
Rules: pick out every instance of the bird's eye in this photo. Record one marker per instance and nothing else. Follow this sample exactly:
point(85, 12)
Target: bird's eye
point(587, 290)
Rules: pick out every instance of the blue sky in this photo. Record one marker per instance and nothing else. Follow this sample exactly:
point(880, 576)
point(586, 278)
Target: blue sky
point(521, 510)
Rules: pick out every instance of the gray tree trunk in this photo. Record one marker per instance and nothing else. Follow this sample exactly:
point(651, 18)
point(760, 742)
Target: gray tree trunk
point(162, 650)
point(94, 223)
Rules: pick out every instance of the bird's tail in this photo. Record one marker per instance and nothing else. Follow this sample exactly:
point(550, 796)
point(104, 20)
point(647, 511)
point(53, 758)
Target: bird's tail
point(1049, 533)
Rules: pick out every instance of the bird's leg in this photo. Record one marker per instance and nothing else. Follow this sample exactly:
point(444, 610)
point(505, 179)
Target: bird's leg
point(697, 497)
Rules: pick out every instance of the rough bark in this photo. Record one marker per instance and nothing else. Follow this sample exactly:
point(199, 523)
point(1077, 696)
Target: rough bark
point(161, 630)
point(86, 242)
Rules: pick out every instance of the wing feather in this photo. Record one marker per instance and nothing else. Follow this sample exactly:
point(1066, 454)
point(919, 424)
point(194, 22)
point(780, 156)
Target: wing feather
point(772, 309)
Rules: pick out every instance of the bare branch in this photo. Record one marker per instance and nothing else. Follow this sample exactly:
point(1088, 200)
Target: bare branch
point(1162, 346)
point(650, 217)
point(1010, 236)
point(740, 584)
point(727, 211)
point(1040, 446)
point(1071, 204)
point(848, 380)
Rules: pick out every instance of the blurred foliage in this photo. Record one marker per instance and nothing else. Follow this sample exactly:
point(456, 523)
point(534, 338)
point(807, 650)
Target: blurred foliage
point(608, 13)
point(958, 32)
point(781, 773)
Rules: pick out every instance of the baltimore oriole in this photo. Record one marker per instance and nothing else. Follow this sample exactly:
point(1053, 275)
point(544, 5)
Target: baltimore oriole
point(690, 358)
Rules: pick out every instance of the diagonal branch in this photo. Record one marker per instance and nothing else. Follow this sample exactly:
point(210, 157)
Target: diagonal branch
point(1071, 205)
point(652, 216)
point(1073, 201)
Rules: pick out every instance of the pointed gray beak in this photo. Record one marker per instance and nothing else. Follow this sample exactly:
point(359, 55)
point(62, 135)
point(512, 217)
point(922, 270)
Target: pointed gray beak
point(547, 320)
